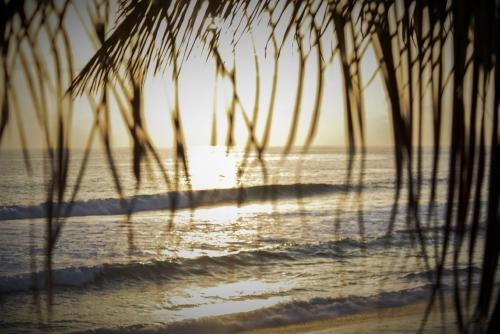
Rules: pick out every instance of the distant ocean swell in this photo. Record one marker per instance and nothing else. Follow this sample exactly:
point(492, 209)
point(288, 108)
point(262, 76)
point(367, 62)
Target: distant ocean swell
point(339, 250)
point(179, 200)
point(282, 314)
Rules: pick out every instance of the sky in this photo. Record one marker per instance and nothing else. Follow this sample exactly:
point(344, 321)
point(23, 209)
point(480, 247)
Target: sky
point(196, 94)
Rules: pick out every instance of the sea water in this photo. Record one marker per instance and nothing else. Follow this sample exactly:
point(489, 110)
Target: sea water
point(287, 239)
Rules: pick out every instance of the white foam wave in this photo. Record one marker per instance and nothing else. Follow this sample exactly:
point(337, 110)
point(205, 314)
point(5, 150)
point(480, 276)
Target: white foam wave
point(170, 200)
point(284, 313)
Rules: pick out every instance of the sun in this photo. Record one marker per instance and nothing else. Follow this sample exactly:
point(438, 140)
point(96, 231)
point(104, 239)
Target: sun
point(211, 167)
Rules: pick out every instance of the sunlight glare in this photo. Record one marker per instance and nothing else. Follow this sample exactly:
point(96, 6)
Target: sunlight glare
point(211, 168)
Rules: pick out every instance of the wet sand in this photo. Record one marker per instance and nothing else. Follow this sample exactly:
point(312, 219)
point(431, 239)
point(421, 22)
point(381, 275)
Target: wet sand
point(404, 319)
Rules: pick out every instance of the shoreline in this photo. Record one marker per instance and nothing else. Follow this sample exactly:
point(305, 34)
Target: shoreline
point(399, 319)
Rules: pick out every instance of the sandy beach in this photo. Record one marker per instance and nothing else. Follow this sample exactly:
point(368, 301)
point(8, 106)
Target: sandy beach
point(404, 319)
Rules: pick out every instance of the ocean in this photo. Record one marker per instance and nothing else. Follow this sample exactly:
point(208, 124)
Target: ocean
point(295, 240)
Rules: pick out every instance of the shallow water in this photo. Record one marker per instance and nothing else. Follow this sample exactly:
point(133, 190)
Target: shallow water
point(305, 245)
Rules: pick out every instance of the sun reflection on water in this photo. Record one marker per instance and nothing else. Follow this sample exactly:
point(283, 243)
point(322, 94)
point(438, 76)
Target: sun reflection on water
point(225, 298)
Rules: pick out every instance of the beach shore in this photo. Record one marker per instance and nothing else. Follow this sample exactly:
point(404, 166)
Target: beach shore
point(404, 319)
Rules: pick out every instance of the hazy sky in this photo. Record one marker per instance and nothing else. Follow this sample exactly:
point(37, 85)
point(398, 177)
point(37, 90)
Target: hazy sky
point(197, 92)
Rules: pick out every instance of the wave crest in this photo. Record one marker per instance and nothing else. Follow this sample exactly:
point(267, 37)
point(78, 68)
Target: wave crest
point(172, 200)
point(283, 314)
point(340, 250)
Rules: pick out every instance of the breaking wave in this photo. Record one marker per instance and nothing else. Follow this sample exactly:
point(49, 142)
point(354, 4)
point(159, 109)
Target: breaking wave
point(282, 314)
point(339, 250)
point(171, 200)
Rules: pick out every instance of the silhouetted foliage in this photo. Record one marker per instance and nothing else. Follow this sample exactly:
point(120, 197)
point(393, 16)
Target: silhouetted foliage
point(412, 40)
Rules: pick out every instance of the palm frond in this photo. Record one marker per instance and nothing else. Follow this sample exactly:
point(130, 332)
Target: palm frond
point(412, 40)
